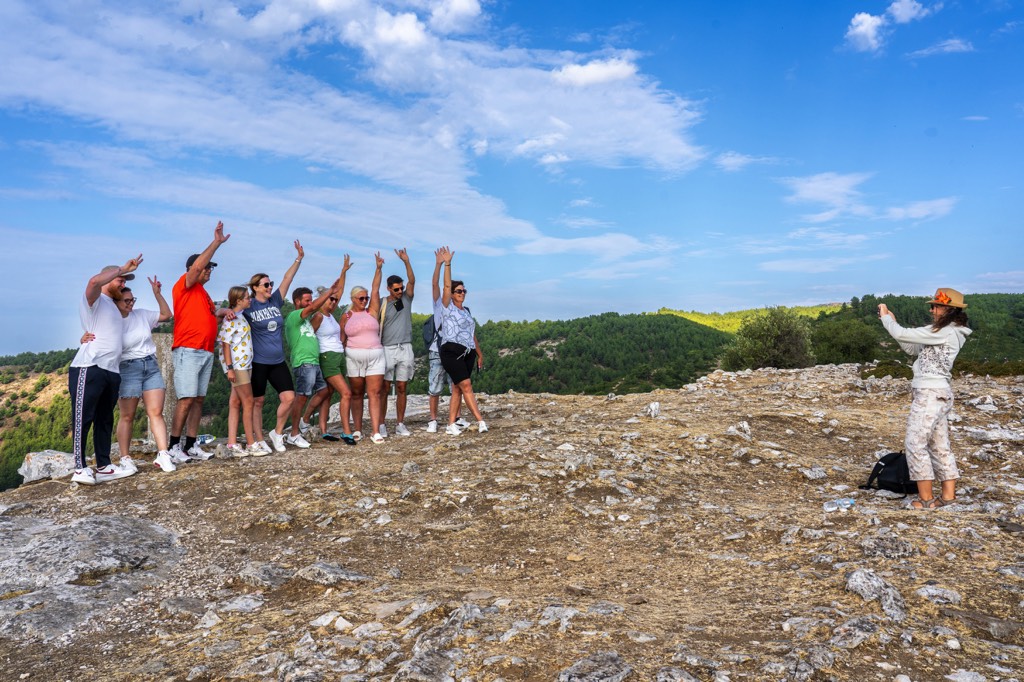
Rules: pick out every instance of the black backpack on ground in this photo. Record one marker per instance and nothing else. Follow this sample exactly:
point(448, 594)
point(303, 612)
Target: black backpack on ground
point(891, 473)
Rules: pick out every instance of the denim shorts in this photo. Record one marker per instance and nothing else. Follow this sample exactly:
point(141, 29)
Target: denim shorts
point(309, 379)
point(192, 367)
point(437, 376)
point(140, 375)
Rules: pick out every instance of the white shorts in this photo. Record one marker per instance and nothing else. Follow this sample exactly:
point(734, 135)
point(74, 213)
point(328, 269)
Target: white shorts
point(364, 362)
point(400, 362)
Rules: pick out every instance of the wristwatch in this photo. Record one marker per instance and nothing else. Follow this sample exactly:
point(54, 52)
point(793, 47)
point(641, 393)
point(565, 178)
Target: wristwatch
point(231, 366)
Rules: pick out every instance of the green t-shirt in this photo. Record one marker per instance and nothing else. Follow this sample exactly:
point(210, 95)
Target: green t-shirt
point(301, 339)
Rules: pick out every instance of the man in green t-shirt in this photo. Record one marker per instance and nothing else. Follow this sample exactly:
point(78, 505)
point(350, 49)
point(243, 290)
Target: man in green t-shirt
point(298, 329)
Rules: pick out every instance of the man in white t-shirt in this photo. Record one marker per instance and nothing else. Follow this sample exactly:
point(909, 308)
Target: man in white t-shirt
point(94, 378)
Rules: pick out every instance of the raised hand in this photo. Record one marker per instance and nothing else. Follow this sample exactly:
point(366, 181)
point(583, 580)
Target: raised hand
point(155, 283)
point(447, 254)
point(380, 260)
point(402, 255)
point(439, 255)
point(218, 234)
point(132, 265)
point(299, 251)
point(346, 264)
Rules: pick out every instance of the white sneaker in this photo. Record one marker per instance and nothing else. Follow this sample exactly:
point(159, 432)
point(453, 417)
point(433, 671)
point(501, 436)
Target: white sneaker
point(401, 430)
point(377, 438)
point(257, 449)
point(481, 426)
point(277, 440)
point(127, 464)
point(432, 426)
point(304, 427)
point(462, 423)
point(298, 441)
point(264, 447)
point(111, 473)
point(383, 430)
point(178, 455)
point(453, 430)
point(83, 476)
point(163, 460)
point(233, 450)
point(196, 452)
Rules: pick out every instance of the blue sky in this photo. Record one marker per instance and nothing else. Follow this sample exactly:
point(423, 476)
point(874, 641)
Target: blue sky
point(579, 157)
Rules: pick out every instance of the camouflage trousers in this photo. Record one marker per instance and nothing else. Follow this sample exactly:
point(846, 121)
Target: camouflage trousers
point(929, 456)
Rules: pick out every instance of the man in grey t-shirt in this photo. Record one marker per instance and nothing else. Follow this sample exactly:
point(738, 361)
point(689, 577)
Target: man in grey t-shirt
point(396, 337)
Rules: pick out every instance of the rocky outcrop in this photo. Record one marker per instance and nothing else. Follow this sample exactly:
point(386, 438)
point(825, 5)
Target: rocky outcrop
point(678, 535)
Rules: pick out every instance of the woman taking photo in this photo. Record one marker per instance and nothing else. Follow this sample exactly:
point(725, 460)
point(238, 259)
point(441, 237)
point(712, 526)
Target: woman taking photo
point(236, 360)
point(929, 456)
point(268, 362)
point(365, 355)
point(459, 349)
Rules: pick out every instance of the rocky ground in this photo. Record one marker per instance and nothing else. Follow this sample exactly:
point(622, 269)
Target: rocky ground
point(676, 535)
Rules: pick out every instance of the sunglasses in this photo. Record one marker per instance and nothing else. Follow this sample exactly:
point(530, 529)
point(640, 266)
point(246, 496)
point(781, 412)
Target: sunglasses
point(458, 291)
point(362, 298)
point(267, 285)
point(128, 301)
point(332, 298)
point(398, 289)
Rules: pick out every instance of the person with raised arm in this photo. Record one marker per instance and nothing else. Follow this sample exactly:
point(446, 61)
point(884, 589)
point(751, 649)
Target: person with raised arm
point(140, 375)
point(459, 349)
point(195, 339)
point(332, 362)
point(929, 456)
point(396, 337)
point(268, 364)
point(365, 355)
point(93, 377)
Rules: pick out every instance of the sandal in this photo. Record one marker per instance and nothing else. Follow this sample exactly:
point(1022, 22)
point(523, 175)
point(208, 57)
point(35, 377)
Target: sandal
point(942, 501)
point(931, 503)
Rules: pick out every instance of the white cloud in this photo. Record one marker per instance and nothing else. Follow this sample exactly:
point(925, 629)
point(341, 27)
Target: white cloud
point(734, 161)
point(974, 118)
point(838, 192)
point(597, 72)
point(864, 32)
point(1011, 280)
point(922, 210)
point(817, 265)
point(581, 203)
point(905, 11)
point(951, 46)
point(867, 32)
point(454, 16)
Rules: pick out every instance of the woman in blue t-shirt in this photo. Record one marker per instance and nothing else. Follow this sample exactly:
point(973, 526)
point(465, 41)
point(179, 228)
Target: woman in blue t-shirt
point(268, 361)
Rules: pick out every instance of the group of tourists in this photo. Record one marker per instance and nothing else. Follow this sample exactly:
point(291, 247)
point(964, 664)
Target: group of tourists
point(363, 354)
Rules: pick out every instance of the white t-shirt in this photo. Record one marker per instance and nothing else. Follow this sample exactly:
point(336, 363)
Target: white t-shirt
point(104, 320)
point(138, 334)
point(329, 335)
point(237, 333)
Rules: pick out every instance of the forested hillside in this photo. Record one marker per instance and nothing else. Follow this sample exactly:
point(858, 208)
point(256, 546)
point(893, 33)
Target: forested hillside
point(597, 354)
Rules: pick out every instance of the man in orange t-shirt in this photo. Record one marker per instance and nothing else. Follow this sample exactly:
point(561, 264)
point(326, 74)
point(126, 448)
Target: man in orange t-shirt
point(195, 336)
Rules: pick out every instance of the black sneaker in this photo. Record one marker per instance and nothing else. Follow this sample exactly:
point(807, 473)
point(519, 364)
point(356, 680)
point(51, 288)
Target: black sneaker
point(331, 438)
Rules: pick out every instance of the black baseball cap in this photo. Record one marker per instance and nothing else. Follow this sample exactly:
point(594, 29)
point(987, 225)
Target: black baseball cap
point(193, 258)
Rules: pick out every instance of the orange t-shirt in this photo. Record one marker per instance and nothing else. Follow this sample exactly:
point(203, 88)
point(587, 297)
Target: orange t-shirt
point(195, 321)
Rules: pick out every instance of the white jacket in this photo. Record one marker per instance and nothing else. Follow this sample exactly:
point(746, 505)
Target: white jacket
point(935, 351)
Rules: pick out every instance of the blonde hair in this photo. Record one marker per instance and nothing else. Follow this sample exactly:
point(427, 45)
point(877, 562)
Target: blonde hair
point(356, 290)
point(236, 294)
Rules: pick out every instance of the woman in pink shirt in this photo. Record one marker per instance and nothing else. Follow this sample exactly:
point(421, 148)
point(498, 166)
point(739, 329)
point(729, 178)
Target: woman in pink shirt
point(364, 354)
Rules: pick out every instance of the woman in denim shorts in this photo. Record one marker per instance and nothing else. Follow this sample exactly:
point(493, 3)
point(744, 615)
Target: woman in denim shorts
point(140, 375)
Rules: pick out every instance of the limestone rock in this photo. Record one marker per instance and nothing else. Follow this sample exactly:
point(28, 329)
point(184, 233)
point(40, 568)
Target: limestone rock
point(46, 464)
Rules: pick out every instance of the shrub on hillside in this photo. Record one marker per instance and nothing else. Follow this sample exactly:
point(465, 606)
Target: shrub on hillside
point(780, 339)
point(836, 341)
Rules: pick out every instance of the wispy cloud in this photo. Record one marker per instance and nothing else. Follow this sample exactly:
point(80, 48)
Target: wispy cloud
point(974, 118)
point(951, 46)
point(732, 162)
point(1012, 280)
point(596, 72)
point(867, 32)
point(817, 265)
point(840, 196)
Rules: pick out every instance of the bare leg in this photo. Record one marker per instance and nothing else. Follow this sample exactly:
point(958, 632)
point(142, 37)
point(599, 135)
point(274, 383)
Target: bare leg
point(455, 406)
point(384, 393)
point(401, 398)
point(325, 406)
point(195, 412)
point(257, 417)
point(154, 402)
point(466, 389)
point(434, 401)
point(338, 383)
point(374, 390)
point(949, 490)
point(244, 393)
point(182, 408)
point(127, 407)
point(298, 403)
point(358, 385)
point(234, 406)
point(284, 409)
